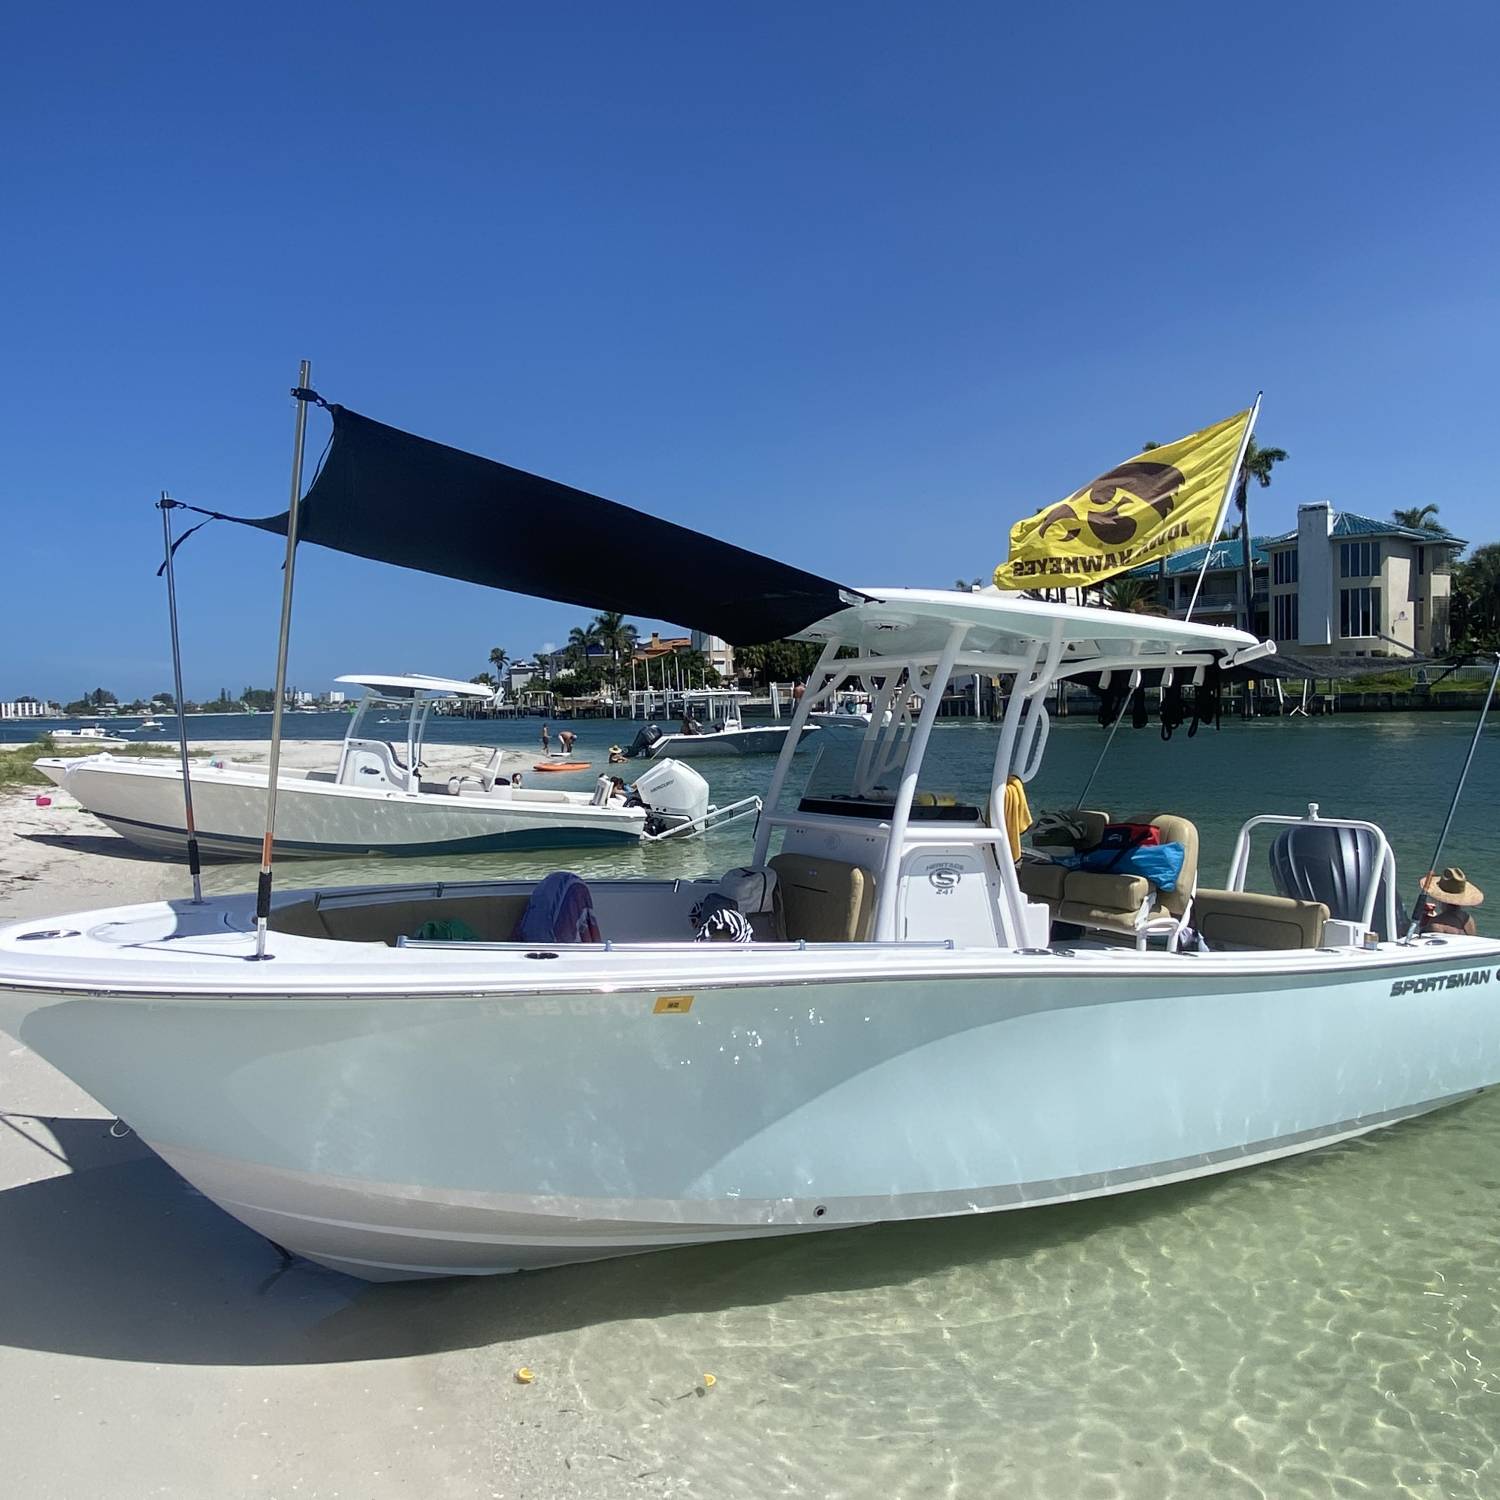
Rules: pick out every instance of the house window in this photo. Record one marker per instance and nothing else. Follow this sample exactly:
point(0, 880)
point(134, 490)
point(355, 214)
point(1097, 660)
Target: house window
point(1359, 611)
point(1359, 559)
point(1284, 615)
point(1421, 614)
point(1421, 561)
point(1284, 566)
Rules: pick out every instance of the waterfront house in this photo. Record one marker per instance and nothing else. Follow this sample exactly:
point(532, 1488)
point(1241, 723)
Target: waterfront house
point(1349, 585)
point(1341, 584)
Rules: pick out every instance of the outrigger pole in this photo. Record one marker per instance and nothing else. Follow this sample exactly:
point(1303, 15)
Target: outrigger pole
point(263, 886)
point(1458, 792)
point(166, 506)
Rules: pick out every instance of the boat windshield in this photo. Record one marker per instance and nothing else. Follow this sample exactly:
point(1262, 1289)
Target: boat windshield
point(858, 777)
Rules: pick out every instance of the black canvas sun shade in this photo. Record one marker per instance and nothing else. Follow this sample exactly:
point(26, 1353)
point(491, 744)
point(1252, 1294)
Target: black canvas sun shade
point(396, 498)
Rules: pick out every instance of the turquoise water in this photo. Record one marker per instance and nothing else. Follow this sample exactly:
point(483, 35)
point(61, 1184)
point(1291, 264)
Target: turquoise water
point(1325, 1326)
point(1397, 770)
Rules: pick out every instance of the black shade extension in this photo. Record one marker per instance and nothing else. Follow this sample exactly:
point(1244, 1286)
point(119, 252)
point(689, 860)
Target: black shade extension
point(387, 495)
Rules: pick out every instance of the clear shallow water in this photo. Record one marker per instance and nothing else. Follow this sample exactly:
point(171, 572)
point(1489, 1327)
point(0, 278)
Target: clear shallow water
point(1325, 1326)
point(1396, 769)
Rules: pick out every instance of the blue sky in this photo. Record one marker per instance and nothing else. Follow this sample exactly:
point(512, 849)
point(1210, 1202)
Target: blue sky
point(856, 285)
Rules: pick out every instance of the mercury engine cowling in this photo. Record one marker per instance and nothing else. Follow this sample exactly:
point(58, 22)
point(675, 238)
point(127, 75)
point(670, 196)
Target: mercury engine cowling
point(644, 740)
point(673, 794)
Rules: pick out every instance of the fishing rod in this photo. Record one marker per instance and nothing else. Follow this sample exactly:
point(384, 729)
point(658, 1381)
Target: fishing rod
point(1458, 792)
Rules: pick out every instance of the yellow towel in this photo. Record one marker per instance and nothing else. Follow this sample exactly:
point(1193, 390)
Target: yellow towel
point(1016, 812)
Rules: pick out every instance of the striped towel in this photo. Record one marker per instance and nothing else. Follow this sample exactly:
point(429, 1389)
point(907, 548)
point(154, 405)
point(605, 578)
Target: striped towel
point(718, 920)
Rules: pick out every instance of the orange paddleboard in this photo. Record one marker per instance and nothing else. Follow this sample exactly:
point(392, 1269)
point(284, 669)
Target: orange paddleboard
point(562, 765)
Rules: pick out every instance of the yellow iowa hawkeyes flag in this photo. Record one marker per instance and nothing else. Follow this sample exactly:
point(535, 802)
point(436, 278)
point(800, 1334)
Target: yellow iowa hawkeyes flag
point(1155, 503)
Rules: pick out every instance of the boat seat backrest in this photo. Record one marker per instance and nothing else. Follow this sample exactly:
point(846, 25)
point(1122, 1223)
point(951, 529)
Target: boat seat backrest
point(1053, 837)
point(824, 900)
point(1245, 919)
point(1175, 830)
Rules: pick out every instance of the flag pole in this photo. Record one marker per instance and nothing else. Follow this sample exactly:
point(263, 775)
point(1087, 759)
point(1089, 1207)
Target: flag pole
point(195, 867)
point(1234, 477)
point(263, 886)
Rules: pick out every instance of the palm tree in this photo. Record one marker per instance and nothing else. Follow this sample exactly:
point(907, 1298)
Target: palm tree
point(618, 637)
point(1134, 596)
point(499, 656)
point(1416, 516)
point(1258, 465)
point(580, 638)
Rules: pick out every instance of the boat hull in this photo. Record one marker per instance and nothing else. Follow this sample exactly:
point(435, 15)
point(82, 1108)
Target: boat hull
point(320, 820)
point(404, 1135)
point(763, 739)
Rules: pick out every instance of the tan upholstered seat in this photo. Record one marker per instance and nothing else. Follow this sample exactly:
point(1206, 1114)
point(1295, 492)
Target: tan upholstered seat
point(1116, 893)
point(1128, 904)
point(824, 900)
point(1041, 879)
point(1243, 919)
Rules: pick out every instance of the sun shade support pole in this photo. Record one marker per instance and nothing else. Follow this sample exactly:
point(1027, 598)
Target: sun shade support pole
point(1458, 792)
point(166, 506)
point(1229, 489)
point(299, 443)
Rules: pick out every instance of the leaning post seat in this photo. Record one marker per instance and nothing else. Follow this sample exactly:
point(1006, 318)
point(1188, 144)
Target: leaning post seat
point(1042, 879)
point(824, 900)
point(1129, 904)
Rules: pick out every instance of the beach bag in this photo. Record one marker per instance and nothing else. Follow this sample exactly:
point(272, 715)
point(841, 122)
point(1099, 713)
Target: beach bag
point(1135, 849)
point(1159, 863)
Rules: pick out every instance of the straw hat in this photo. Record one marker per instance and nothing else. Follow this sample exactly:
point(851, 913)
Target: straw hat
point(1453, 888)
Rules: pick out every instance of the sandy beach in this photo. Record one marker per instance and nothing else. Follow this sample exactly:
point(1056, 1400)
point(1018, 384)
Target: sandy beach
point(150, 1345)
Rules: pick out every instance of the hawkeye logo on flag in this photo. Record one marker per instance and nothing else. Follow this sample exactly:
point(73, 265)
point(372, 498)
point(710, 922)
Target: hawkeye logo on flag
point(1158, 502)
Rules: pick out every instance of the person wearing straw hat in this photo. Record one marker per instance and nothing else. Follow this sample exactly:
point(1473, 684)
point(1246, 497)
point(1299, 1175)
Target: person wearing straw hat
point(1447, 896)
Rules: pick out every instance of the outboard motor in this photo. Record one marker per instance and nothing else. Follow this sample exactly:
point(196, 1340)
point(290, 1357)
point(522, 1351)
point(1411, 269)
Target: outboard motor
point(644, 740)
point(673, 794)
point(1314, 861)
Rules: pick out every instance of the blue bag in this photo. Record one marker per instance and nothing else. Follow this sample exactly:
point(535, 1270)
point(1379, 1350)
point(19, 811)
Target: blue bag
point(1161, 864)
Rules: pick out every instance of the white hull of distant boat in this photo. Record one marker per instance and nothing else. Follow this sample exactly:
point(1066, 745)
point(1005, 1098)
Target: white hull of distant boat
point(95, 739)
point(759, 739)
point(376, 802)
point(511, 1114)
point(143, 802)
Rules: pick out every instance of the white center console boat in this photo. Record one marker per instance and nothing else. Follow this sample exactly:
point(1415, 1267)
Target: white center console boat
point(921, 1025)
point(711, 725)
point(377, 800)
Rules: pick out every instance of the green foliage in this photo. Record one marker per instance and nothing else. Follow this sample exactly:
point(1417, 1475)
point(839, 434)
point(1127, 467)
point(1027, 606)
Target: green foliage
point(778, 661)
point(1135, 596)
point(576, 684)
point(1474, 618)
point(1417, 516)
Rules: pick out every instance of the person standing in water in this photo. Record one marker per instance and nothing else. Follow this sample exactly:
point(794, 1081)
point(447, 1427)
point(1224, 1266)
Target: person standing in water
point(565, 738)
point(546, 740)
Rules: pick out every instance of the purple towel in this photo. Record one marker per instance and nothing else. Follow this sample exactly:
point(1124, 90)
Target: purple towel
point(561, 910)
